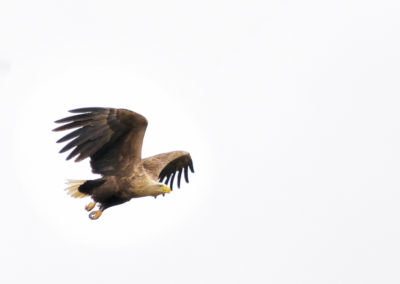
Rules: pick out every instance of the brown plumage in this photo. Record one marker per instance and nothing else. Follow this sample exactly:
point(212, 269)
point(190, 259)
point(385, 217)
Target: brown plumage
point(113, 138)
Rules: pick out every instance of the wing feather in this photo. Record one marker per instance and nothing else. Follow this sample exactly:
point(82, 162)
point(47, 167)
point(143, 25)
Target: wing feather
point(90, 109)
point(71, 135)
point(80, 117)
point(179, 177)
point(168, 177)
point(186, 174)
point(77, 150)
point(167, 165)
point(89, 133)
point(172, 180)
point(111, 137)
point(89, 151)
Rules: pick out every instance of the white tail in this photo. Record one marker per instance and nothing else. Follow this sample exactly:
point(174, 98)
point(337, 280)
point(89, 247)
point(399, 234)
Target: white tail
point(73, 188)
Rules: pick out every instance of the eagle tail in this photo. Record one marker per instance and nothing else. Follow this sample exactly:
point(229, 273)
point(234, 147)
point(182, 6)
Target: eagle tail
point(73, 188)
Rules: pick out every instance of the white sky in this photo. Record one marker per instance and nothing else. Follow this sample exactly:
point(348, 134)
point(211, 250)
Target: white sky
point(290, 110)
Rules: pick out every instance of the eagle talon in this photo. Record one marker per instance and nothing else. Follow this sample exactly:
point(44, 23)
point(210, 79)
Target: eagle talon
point(95, 215)
point(90, 206)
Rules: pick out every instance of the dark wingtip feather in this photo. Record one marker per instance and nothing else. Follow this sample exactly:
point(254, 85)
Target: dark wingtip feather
point(78, 117)
point(70, 157)
point(172, 181)
point(71, 135)
point(72, 125)
point(63, 120)
point(191, 166)
point(80, 158)
point(87, 109)
point(60, 128)
point(70, 145)
point(168, 177)
point(186, 172)
point(74, 152)
point(63, 150)
point(179, 178)
point(161, 176)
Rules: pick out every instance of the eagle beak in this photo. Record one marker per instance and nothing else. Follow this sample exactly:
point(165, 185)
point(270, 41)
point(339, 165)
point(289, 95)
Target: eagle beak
point(165, 189)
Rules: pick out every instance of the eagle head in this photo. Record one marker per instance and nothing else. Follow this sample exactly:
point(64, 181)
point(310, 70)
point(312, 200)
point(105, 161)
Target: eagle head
point(157, 189)
point(162, 188)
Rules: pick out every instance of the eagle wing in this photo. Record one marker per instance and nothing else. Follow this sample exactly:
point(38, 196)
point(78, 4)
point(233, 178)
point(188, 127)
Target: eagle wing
point(168, 165)
point(112, 138)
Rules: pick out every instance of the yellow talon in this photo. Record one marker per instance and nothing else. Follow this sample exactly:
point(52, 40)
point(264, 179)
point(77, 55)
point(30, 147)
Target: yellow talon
point(90, 206)
point(95, 215)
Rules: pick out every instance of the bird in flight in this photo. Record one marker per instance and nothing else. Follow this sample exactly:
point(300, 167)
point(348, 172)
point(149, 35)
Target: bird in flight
point(113, 139)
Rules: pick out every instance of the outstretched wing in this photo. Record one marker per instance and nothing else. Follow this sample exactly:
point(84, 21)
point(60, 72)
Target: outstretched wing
point(168, 165)
point(112, 138)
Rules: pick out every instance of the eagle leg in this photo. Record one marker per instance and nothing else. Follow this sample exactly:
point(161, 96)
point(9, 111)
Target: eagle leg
point(95, 214)
point(90, 206)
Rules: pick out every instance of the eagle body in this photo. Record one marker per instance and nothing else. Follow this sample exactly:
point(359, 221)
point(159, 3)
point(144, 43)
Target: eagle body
point(113, 138)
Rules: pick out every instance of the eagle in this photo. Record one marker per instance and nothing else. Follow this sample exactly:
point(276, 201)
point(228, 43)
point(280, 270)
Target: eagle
point(113, 139)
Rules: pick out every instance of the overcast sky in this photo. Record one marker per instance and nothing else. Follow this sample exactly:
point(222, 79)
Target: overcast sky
point(290, 110)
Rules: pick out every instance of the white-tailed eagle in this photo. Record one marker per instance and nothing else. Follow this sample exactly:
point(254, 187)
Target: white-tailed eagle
point(113, 138)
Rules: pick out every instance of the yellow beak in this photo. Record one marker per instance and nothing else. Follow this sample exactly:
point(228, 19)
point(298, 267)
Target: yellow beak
point(165, 189)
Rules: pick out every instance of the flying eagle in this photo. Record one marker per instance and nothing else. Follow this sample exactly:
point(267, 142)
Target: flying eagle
point(113, 138)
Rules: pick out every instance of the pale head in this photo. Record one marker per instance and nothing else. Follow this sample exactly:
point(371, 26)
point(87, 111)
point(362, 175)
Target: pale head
point(156, 189)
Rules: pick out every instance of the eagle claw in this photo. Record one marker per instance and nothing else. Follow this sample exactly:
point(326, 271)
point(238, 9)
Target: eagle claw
point(95, 215)
point(90, 206)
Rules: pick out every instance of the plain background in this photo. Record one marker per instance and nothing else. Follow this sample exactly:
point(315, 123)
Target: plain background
point(290, 110)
